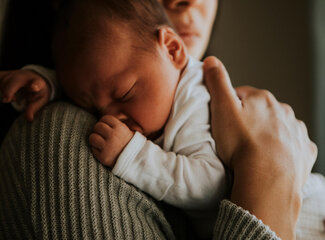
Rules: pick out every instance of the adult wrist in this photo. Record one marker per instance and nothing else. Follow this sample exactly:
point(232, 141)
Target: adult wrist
point(273, 198)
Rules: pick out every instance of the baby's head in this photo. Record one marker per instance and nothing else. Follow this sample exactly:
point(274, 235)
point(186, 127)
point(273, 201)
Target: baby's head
point(120, 57)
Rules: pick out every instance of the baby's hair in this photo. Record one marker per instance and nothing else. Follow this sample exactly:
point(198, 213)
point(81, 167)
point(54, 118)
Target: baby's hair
point(143, 16)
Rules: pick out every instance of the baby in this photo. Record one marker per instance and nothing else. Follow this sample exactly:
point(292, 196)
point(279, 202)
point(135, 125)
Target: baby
point(123, 61)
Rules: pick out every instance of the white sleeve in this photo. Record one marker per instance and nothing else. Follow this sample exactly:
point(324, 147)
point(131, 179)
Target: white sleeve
point(184, 171)
point(192, 177)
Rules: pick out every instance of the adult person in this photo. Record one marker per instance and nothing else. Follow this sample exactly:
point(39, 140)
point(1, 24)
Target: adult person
point(257, 187)
point(52, 188)
point(193, 19)
point(51, 158)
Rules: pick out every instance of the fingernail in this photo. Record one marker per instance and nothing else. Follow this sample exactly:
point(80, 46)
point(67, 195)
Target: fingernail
point(34, 87)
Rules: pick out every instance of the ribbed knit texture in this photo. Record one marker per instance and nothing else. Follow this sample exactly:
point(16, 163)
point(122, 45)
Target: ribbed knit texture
point(51, 187)
point(64, 193)
point(233, 222)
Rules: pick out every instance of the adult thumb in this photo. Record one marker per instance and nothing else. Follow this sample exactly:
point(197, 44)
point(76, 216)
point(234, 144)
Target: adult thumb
point(219, 85)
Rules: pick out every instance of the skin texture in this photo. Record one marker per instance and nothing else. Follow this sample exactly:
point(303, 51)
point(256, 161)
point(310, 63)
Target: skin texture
point(270, 164)
point(23, 84)
point(133, 89)
point(193, 21)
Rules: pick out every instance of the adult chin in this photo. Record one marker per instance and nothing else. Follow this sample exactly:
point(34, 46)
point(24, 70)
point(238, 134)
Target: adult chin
point(195, 46)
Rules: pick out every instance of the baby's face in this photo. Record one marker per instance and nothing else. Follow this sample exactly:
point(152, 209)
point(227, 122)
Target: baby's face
point(117, 77)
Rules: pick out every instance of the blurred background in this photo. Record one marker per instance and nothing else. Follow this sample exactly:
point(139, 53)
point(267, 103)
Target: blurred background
point(276, 45)
point(279, 46)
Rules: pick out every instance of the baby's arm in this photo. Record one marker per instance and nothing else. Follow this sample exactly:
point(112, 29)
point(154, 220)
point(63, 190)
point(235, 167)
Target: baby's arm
point(192, 177)
point(184, 170)
point(187, 174)
point(27, 88)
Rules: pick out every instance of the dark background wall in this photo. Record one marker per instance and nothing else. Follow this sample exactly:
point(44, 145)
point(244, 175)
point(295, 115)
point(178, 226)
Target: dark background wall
point(318, 49)
point(270, 45)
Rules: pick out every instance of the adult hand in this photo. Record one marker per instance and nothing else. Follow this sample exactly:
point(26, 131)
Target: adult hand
point(267, 148)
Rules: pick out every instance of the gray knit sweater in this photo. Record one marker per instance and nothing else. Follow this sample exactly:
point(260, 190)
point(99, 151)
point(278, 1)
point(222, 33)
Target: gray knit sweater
point(51, 187)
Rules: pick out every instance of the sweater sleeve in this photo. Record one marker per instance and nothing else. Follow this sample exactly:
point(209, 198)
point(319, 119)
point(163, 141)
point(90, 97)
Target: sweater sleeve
point(233, 222)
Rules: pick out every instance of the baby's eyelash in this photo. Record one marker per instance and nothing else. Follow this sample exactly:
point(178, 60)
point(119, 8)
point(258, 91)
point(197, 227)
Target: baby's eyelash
point(126, 96)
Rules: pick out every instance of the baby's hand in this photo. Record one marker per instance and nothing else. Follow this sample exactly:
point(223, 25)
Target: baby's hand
point(108, 139)
point(20, 85)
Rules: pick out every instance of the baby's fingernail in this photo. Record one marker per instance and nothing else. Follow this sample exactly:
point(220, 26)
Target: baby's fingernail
point(34, 87)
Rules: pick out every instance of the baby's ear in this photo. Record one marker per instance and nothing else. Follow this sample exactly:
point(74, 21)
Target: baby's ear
point(169, 40)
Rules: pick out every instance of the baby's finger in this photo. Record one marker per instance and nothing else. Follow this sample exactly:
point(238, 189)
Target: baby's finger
point(102, 129)
point(96, 152)
point(96, 141)
point(3, 83)
point(11, 87)
point(34, 106)
point(3, 74)
point(37, 85)
point(110, 121)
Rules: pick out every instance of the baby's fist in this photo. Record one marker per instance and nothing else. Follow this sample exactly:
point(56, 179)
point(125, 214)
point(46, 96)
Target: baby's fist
point(26, 89)
point(108, 139)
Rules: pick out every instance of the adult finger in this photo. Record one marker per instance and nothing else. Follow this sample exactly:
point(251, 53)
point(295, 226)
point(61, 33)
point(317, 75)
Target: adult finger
point(289, 111)
point(314, 151)
point(218, 82)
point(245, 91)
